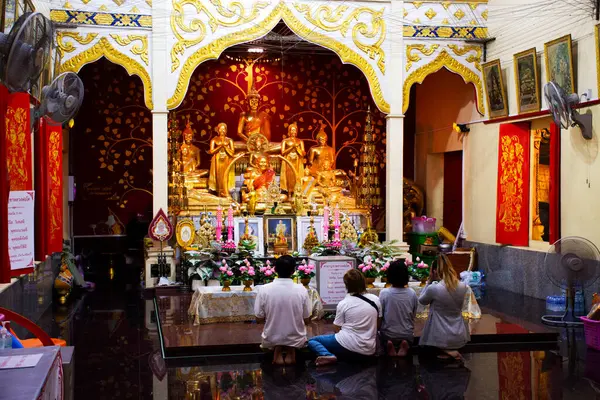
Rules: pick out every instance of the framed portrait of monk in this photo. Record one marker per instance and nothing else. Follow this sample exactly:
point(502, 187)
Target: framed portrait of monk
point(282, 228)
point(527, 81)
point(558, 55)
point(494, 89)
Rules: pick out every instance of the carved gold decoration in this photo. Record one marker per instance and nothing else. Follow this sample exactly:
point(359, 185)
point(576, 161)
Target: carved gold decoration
point(446, 4)
point(149, 2)
point(473, 6)
point(404, 12)
point(76, 36)
point(138, 49)
point(459, 14)
point(473, 22)
point(119, 2)
point(444, 60)
point(473, 58)
point(333, 20)
point(185, 233)
point(67, 6)
point(417, 21)
point(103, 48)
point(445, 21)
point(135, 10)
point(233, 16)
point(215, 48)
point(484, 15)
point(417, 4)
point(430, 13)
point(540, 183)
point(85, 1)
point(103, 8)
point(422, 48)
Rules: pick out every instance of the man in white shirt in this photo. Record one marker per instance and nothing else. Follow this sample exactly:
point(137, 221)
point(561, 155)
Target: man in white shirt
point(356, 321)
point(285, 309)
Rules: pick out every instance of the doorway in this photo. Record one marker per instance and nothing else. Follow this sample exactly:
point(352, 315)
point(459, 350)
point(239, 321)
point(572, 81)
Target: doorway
point(453, 193)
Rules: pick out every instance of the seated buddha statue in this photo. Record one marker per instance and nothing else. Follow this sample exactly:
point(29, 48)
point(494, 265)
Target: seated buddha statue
point(319, 154)
point(254, 121)
point(257, 179)
point(190, 159)
point(331, 182)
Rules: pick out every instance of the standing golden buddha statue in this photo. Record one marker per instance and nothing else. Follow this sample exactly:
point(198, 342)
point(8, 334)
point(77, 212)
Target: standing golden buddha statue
point(190, 158)
point(317, 155)
point(254, 121)
point(292, 149)
point(222, 151)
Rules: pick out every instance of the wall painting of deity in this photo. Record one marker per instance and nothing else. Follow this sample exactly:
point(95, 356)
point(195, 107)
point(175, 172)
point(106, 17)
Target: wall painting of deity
point(526, 78)
point(559, 63)
point(494, 89)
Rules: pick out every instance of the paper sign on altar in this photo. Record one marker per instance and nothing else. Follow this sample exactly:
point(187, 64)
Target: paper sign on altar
point(21, 229)
point(331, 281)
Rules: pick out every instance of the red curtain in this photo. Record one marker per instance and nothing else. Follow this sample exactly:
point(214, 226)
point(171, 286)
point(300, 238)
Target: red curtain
point(512, 207)
point(554, 182)
point(18, 141)
point(4, 192)
point(48, 187)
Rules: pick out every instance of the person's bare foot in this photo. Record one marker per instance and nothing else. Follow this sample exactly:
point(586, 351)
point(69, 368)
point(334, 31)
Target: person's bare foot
point(391, 350)
point(325, 360)
point(403, 350)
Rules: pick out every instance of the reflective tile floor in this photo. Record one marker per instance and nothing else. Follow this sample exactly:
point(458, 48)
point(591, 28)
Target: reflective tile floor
point(117, 357)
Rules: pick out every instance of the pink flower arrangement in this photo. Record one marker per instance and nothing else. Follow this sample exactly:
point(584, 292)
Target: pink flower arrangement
point(267, 271)
point(368, 269)
point(226, 272)
point(247, 272)
point(422, 265)
point(305, 271)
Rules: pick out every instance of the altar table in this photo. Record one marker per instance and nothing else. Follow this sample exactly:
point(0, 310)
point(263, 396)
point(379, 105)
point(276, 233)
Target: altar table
point(211, 305)
point(470, 309)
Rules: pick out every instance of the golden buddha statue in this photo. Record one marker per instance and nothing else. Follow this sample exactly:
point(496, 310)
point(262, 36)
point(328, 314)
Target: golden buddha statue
point(292, 149)
point(257, 179)
point(317, 155)
point(254, 121)
point(331, 182)
point(221, 179)
point(190, 158)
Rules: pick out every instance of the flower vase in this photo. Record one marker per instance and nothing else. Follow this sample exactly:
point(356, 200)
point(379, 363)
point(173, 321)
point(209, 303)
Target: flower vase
point(305, 282)
point(226, 287)
point(384, 280)
point(247, 285)
point(370, 283)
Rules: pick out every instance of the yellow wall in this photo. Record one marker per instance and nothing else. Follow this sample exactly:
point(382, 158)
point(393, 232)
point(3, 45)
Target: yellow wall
point(580, 164)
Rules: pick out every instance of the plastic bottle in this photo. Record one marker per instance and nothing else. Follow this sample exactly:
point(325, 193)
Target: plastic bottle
point(5, 338)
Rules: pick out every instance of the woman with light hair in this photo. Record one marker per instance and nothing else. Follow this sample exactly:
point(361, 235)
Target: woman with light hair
point(445, 328)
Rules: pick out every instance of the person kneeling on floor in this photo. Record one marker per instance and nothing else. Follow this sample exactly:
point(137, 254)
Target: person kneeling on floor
point(285, 309)
point(356, 320)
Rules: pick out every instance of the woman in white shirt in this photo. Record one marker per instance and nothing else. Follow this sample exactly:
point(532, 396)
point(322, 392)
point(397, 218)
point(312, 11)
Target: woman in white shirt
point(356, 321)
point(445, 328)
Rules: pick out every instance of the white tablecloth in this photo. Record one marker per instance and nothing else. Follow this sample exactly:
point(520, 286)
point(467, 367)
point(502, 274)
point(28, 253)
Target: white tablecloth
point(211, 305)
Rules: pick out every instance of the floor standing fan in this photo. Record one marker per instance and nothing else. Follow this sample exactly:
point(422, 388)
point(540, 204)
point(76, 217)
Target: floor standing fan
point(572, 263)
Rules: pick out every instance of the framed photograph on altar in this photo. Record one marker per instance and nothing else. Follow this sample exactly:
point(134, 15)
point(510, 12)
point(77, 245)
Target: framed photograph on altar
point(526, 79)
point(275, 224)
point(494, 89)
point(255, 229)
point(303, 223)
point(558, 55)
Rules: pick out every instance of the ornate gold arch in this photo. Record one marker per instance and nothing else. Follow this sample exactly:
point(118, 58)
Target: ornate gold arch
point(105, 49)
point(281, 12)
point(444, 60)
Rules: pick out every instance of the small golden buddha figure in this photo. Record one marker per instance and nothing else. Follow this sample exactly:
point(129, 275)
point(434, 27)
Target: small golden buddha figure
point(317, 155)
point(222, 151)
point(254, 121)
point(292, 149)
point(190, 158)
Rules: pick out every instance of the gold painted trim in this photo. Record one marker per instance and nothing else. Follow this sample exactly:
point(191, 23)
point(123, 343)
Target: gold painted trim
point(444, 60)
point(63, 47)
point(461, 51)
point(180, 225)
point(103, 48)
point(552, 43)
point(530, 52)
point(597, 35)
point(502, 89)
point(214, 49)
point(422, 48)
point(140, 49)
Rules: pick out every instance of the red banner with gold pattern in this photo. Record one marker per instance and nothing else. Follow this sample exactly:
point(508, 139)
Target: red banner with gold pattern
point(514, 368)
point(512, 207)
point(18, 142)
point(4, 193)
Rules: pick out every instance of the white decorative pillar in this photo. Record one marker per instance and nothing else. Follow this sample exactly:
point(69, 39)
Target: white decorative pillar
point(394, 191)
point(160, 136)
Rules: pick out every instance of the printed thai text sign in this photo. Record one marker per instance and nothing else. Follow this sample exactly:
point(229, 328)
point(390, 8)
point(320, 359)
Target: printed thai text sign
point(331, 281)
point(21, 229)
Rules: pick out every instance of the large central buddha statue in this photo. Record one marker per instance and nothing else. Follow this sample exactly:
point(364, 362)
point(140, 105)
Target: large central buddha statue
point(254, 121)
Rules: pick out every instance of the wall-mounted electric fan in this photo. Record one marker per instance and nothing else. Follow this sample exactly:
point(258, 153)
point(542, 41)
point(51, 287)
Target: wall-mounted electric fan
point(561, 106)
point(62, 98)
point(572, 263)
point(25, 51)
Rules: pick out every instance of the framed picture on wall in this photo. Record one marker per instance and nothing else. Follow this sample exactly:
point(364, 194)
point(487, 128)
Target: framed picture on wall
point(255, 229)
point(494, 89)
point(558, 56)
point(526, 79)
point(277, 224)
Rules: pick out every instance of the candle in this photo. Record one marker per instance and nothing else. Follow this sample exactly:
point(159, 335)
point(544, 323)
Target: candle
point(230, 224)
point(336, 223)
point(219, 226)
point(325, 224)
